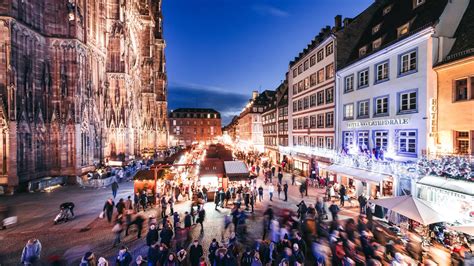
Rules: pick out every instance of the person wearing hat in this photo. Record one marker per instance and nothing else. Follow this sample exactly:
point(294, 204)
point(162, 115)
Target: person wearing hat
point(88, 259)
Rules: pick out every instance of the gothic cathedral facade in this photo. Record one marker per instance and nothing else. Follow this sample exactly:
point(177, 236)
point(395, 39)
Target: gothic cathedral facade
point(81, 82)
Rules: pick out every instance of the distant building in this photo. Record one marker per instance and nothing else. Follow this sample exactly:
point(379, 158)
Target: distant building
point(231, 129)
point(188, 125)
point(250, 128)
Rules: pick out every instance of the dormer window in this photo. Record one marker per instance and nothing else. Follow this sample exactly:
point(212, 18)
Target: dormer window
point(362, 51)
point(376, 28)
point(376, 44)
point(418, 3)
point(387, 10)
point(403, 29)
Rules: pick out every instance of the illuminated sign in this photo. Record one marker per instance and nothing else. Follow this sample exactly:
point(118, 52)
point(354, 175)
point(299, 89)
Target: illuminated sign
point(380, 122)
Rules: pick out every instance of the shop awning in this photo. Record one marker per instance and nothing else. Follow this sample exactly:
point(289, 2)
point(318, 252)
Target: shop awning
point(236, 170)
point(360, 174)
point(454, 185)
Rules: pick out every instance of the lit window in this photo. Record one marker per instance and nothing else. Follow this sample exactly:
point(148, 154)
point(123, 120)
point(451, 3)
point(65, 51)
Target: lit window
point(329, 143)
point(329, 71)
point(320, 142)
point(408, 62)
point(312, 79)
point(403, 30)
point(376, 44)
point(362, 51)
point(321, 75)
point(348, 139)
point(363, 139)
point(462, 91)
point(382, 71)
point(348, 111)
point(376, 28)
point(387, 9)
point(407, 141)
point(321, 97)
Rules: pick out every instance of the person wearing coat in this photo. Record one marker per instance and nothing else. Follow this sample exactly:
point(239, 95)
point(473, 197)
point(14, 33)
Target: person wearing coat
point(88, 259)
point(195, 253)
point(152, 235)
point(109, 209)
point(124, 258)
point(31, 252)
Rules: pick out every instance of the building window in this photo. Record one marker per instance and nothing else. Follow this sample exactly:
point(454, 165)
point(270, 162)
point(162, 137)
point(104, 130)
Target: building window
point(381, 140)
point(312, 121)
point(300, 123)
point(320, 122)
point(381, 72)
point(320, 97)
point(407, 142)
point(295, 123)
point(376, 28)
point(305, 103)
point(320, 55)
point(329, 143)
point(329, 71)
point(407, 101)
point(363, 78)
point(295, 72)
point(347, 139)
point(300, 105)
point(320, 142)
point(312, 80)
point(403, 29)
point(295, 89)
point(312, 100)
point(329, 49)
point(321, 75)
point(329, 95)
point(418, 3)
point(363, 109)
point(363, 140)
point(306, 83)
point(462, 91)
point(349, 83)
point(462, 142)
point(363, 51)
point(381, 106)
point(407, 63)
point(305, 122)
point(306, 64)
point(387, 9)
point(312, 60)
point(329, 119)
point(376, 44)
point(348, 111)
point(300, 69)
point(295, 106)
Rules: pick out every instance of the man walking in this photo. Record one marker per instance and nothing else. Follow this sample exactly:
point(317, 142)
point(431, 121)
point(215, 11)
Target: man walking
point(271, 189)
point(342, 194)
point(195, 253)
point(260, 193)
point(285, 190)
point(280, 177)
point(334, 210)
point(115, 187)
point(362, 203)
point(293, 178)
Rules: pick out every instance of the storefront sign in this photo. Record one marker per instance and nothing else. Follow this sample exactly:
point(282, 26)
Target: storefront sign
point(380, 122)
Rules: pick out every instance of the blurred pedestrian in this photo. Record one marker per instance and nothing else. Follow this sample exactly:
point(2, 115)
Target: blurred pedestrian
point(115, 187)
point(271, 189)
point(195, 253)
point(124, 258)
point(117, 230)
point(285, 190)
point(109, 209)
point(152, 235)
point(88, 259)
point(31, 252)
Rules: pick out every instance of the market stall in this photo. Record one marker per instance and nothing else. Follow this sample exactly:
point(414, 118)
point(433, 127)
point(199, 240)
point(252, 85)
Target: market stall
point(236, 172)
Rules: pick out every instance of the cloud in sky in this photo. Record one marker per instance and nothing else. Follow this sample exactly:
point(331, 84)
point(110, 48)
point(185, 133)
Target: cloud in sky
point(263, 9)
point(228, 103)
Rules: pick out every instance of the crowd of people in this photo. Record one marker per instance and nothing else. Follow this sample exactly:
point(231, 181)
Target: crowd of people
point(302, 234)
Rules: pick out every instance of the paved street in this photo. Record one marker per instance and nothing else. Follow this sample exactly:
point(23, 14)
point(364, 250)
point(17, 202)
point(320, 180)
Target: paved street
point(87, 232)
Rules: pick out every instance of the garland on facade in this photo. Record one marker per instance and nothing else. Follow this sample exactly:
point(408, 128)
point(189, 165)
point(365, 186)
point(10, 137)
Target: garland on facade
point(454, 167)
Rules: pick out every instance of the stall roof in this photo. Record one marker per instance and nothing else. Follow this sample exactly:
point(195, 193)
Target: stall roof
point(459, 186)
point(236, 170)
point(144, 175)
point(360, 174)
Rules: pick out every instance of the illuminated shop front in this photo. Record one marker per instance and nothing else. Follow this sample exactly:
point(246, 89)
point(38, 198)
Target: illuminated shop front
point(453, 196)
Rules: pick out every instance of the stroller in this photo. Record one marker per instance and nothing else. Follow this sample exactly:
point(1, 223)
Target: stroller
point(66, 212)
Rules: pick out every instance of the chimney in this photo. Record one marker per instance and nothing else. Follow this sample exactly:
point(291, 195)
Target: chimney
point(337, 22)
point(347, 21)
point(254, 95)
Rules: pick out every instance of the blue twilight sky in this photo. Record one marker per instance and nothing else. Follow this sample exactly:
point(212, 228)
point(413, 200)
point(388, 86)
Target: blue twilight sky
point(218, 51)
